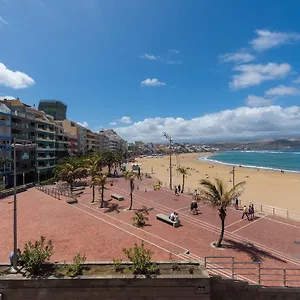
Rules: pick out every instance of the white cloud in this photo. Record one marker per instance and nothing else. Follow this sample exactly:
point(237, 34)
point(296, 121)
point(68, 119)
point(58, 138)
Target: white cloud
point(282, 90)
point(251, 74)
point(3, 22)
point(7, 97)
point(297, 80)
point(240, 123)
point(84, 124)
point(152, 82)
point(113, 123)
point(14, 79)
point(266, 39)
point(149, 56)
point(174, 51)
point(239, 57)
point(255, 101)
point(125, 120)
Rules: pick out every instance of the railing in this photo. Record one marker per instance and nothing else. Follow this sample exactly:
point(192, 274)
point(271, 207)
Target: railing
point(254, 272)
point(54, 192)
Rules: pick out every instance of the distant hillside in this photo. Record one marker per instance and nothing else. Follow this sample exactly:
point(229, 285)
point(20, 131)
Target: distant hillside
point(272, 144)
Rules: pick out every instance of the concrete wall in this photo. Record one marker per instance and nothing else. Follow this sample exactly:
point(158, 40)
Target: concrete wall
point(162, 288)
point(129, 288)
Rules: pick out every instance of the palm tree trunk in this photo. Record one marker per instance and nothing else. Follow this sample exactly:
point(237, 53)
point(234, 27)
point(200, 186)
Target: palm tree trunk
point(102, 195)
point(130, 206)
point(93, 194)
point(183, 179)
point(219, 243)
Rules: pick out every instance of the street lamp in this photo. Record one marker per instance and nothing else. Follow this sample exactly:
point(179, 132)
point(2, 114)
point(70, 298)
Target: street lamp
point(170, 141)
point(15, 231)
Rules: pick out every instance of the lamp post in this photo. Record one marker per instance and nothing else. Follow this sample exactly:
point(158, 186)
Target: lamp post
point(170, 141)
point(14, 268)
point(233, 176)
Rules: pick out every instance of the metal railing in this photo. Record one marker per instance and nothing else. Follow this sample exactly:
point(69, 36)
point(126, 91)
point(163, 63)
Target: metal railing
point(54, 192)
point(226, 266)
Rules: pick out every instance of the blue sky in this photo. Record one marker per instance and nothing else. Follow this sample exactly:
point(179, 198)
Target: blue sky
point(202, 70)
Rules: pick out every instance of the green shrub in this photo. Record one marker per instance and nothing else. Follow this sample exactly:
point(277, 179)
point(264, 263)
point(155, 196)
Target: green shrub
point(48, 181)
point(76, 267)
point(118, 265)
point(141, 260)
point(35, 255)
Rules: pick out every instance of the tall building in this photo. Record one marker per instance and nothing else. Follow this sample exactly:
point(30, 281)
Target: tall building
point(110, 140)
point(5, 140)
point(54, 108)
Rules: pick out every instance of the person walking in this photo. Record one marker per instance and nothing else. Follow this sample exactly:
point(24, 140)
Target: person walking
point(245, 212)
point(179, 188)
point(176, 192)
point(236, 203)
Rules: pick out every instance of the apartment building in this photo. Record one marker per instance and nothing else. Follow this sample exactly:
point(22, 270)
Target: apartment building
point(109, 140)
point(54, 108)
point(5, 141)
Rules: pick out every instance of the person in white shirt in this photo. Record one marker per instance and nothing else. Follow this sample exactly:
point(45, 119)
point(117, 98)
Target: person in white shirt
point(172, 216)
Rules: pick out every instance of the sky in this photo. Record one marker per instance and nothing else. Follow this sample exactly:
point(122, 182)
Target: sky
point(199, 70)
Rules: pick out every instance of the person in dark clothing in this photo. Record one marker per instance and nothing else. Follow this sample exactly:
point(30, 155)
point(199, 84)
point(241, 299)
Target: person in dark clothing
point(179, 188)
point(194, 207)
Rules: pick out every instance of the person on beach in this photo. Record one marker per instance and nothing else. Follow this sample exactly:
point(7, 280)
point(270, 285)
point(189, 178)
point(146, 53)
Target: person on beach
point(245, 212)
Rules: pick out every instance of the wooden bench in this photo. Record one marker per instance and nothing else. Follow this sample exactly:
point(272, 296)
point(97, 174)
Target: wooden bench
point(117, 197)
point(167, 220)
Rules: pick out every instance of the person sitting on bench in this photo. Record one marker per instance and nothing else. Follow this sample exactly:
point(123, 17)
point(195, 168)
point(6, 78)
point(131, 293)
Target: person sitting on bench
point(176, 217)
point(172, 216)
point(194, 207)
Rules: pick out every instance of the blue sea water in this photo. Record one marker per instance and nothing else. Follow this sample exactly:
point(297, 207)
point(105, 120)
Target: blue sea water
point(288, 160)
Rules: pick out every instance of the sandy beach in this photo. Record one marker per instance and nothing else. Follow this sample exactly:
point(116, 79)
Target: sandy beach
point(263, 186)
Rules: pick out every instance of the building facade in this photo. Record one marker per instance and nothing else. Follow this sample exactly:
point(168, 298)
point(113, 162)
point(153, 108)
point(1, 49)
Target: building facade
point(54, 108)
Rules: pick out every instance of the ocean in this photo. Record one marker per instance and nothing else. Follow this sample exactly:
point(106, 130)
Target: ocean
point(287, 160)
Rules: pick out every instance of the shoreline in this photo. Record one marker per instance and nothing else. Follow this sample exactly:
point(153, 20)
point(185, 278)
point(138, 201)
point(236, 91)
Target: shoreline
point(207, 158)
point(263, 186)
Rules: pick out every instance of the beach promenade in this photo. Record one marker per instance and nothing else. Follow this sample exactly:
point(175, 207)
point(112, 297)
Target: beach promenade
point(101, 234)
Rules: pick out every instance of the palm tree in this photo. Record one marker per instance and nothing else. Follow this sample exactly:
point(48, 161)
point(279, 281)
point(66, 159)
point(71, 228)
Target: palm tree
point(70, 171)
point(140, 218)
point(109, 159)
point(101, 180)
point(183, 171)
point(94, 167)
point(217, 195)
point(130, 176)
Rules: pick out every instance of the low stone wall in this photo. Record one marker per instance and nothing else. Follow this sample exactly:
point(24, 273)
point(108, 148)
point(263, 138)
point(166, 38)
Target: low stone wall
point(126, 287)
point(114, 288)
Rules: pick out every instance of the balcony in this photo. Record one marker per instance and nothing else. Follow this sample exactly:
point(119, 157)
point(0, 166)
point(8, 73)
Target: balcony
point(47, 157)
point(45, 139)
point(44, 167)
point(50, 149)
point(19, 126)
point(24, 137)
point(45, 129)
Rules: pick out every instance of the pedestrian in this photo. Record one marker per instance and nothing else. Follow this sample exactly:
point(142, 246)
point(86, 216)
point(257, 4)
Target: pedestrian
point(194, 208)
point(236, 203)
point(245, 212)
point(179, 188)
point(252, 209)
point(176, 192)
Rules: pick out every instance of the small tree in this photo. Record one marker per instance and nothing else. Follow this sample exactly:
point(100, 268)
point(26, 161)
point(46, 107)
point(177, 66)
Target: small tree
point(35, 255)
point(101, 180)
point(140, 218)
point(183, 171)
point(217, 195)
point(141, 260)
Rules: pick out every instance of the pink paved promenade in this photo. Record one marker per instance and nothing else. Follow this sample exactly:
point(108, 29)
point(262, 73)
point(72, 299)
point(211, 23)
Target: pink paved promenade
point(102, 233)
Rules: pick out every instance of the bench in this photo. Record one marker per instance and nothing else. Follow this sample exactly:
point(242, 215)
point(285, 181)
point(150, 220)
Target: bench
point(117, 197)
point(167, 220)
point(71, 201)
